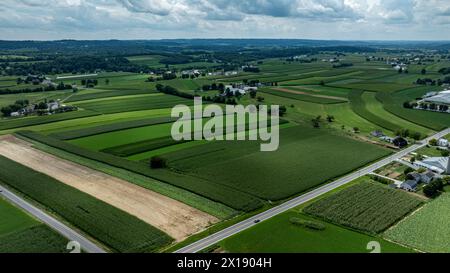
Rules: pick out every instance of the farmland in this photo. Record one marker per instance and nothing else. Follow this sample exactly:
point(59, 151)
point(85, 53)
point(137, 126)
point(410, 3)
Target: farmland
point(426, 229)
point(150, 207)
point(132, 103)
point(294, 174)
point(278, 235)
point(367, 206)
point(332, 101)
point(118, 230)
point(19, 233)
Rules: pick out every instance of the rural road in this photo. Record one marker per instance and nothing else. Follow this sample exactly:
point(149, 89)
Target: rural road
point(225, 233)
point(64, 230)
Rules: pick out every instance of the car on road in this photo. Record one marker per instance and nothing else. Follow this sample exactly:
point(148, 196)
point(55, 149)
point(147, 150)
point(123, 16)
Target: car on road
point(256, 221)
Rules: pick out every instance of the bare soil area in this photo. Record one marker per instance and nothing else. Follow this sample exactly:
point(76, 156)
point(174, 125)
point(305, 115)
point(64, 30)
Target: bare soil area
point(173, 217)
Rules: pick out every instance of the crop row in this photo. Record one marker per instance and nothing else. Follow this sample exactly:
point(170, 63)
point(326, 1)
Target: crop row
point(107, 94)
point(107, 128)
point(133, 104)
point(36, 239)
point(142, 146)
point(113, 227)
point(393, 102)
point(366, 206)
point(31, 121)
point(303, 97)
point(297, 165)
point(216, 192)
point(359, 107)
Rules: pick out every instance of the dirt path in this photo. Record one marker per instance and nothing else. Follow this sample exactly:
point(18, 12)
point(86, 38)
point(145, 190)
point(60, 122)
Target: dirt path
point(171, 216)
point(308, 94)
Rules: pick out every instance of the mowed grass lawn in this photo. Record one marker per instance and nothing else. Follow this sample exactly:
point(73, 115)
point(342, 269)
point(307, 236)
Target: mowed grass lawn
point(427, 229)
point(306, 158)
point(279, 235)
point(368, 206)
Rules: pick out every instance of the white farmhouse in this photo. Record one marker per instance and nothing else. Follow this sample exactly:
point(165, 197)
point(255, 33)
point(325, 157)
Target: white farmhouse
point(442, 142)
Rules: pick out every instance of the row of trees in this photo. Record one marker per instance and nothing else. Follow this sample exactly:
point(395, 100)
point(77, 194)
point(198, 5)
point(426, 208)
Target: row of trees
point(19, 104)
point(428, 81)
point(426, 106)
point(214, 86)
point(77, 64)
point(317, 121)
point(60, 86)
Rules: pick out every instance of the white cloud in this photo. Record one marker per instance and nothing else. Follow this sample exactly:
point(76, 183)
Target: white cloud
point(141, 19)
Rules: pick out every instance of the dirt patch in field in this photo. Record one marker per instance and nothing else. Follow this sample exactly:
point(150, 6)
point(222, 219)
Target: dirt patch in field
point(308, 94)
point(173, 217)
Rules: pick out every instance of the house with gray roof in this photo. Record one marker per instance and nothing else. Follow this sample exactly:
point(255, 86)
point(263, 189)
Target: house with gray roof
point(409, 185)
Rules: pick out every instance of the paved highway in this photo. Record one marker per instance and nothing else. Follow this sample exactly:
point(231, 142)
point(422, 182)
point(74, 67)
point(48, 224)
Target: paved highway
point(225, 233)
point(64, 230)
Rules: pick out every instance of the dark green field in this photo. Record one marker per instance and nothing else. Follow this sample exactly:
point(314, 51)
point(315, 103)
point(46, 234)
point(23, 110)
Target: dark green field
point(278, 235)
point(113, 227)
point(367, 206)
point(20, 233)
point(301, 162)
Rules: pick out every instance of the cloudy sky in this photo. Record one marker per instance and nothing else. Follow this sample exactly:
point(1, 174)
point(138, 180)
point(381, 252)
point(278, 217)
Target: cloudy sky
point(155, 19)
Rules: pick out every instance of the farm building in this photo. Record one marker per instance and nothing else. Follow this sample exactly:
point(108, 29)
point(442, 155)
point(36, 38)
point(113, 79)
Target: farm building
point(440, 165)
point(415, 176)
point(377, 133)
point(409, 185)
point(441, 98)
point(400, 142)
point(443, 142)
point(239, 88)
point(427, 177)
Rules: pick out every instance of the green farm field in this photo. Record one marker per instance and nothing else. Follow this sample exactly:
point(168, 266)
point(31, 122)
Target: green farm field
point(368, 206)
point(123, 122)
point(113, 227)
point(132, 103)
point(279, 235)
point(13, 219)
point(20, 233)
point(426, 229)
point(295, 167)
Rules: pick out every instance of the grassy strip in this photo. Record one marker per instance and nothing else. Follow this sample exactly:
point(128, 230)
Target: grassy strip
point(30, 121)
point(302, 97)
point(142, 146)
point(114, 105)
point(115, 228)
point(107, 128)
point(358, 106)
point(219, 193)
point(108, 94)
